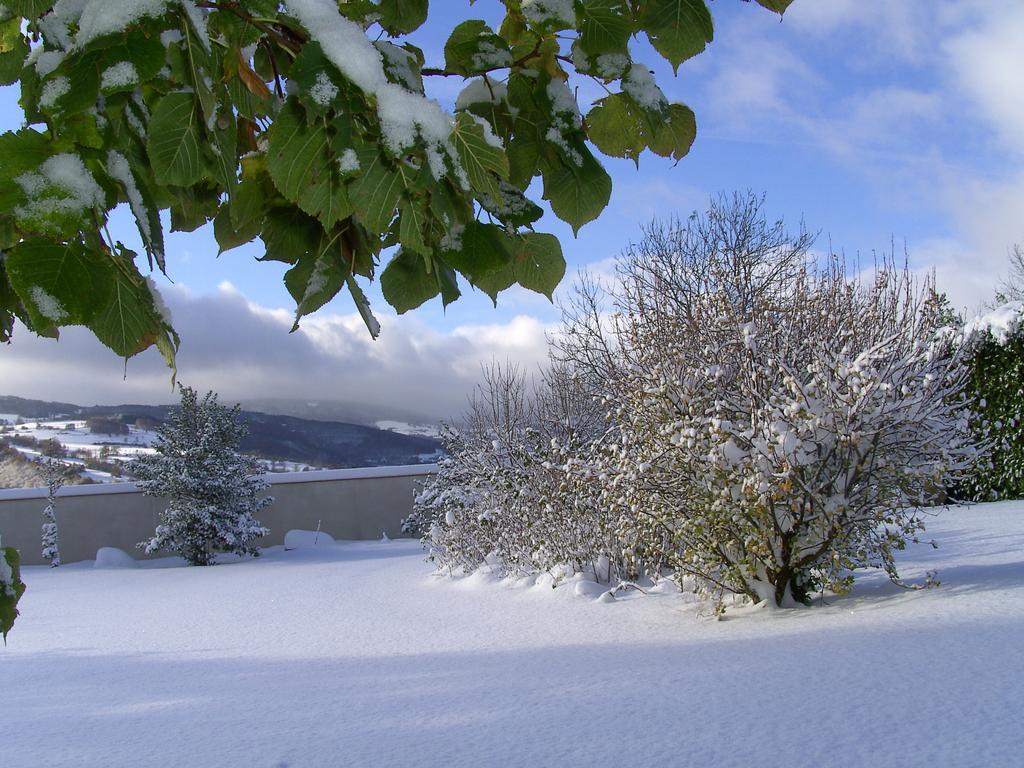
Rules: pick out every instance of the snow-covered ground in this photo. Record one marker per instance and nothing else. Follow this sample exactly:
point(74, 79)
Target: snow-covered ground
point(75, 436)
point(78, 436)
point(353, 654)
point(404, 428)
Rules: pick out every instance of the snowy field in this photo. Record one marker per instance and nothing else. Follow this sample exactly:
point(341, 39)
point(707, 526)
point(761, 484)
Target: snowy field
point(355, 655)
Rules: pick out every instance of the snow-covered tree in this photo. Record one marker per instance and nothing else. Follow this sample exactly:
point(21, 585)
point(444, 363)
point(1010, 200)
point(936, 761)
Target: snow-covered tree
point(994, 344)
point(1011, 287)
point(780, 423)
point(213, 490)
point(501, 496)
point(773, 423)
point(53, 471)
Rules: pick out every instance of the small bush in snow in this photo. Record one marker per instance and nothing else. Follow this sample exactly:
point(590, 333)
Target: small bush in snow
point(213, 490)
point(995, 350)
point(501, 496)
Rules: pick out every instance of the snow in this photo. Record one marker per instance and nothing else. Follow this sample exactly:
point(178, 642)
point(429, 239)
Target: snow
point(323, 91)
point(349, 161)
point(639, 83)
point(540, 11)
point(120, 170)
point(53, 90)
point(101, 17)
point(197, 19)
point(489, 136)
point(6, 575)
point(112, 557)
point(354, 654)
point(48, 305)
point(1002, 322)
point(296, 539)
point(404, 115)
point(47, 61)
point(158, 301)
point(612, 65)
point(119, 75)
point(481, 90)
point(66, 175)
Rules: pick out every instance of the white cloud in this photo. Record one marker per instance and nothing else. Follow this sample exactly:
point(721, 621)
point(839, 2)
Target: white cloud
point(244, 350)
point(919, 100)
point(987, 62)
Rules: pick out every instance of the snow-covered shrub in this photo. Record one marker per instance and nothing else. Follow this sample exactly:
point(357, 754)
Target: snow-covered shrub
point(11, 588)
point(213, 490)
point(779, 423)
point(53, 471)
point(502, 495)
point(995, 350)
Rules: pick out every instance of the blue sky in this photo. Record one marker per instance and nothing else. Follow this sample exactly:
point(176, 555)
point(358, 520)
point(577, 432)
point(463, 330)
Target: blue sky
point(877, 122)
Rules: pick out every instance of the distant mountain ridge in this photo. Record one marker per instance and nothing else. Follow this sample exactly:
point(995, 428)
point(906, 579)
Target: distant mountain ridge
point(333, 444)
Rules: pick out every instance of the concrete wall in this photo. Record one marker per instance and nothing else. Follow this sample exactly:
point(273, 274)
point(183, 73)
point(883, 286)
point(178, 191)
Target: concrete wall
point(347, 503)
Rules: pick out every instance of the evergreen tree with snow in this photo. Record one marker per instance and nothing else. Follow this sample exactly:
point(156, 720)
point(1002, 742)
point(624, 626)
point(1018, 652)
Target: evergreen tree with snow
point(53, 471)
point(213, 490)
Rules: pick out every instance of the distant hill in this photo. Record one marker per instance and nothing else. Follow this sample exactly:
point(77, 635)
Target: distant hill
point(335, 410)
point(287, 438)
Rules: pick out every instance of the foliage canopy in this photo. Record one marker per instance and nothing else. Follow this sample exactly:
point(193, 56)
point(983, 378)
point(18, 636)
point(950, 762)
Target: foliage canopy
point(305, 124)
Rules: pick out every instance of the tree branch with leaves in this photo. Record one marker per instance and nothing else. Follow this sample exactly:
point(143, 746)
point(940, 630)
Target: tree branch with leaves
point(306, 124)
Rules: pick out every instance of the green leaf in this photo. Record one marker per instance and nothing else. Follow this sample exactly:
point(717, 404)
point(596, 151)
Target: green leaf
point(405, 282)
point(174, 136)
point(412, 225)
point(13, 50)
point(616, 127)
point(513, 208)
point(289, 234)
point(604, 26)
point(225, 155)
point(485, 249)
point(400, 17)
point(483, 162)
point(674, 136)
point(376, 191)
point(228, 235)
point(145, 53)
point(59, 284)
point(308, 71)
point(130, 322)
point(678, 29)
point(495, 282)
point(30, 9)
point(11, 593)
point(79, 86)
point(779, 6)
point(539, 264)
point(363, 305)
point(192, 207)
point(303, 167)
point(20, 153)
point(317, 277)
point(142, 203)
point(11, 306)
point(577, 194)
point(251, 200)
point(79, 130)
point(473, 48)
point(446, 281)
